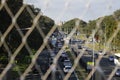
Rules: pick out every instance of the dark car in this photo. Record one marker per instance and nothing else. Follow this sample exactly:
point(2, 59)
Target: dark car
point(62, 59)
point(96, 55)
point(90, 52)
point(117, 73)
point(79, 47)
point(111, 58)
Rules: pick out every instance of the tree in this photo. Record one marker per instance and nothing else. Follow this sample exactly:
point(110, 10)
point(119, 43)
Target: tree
point(24, 21)
point(108, 26)
point(117, 15)
point(69, 25)
point(14, 5)
point(90, 26)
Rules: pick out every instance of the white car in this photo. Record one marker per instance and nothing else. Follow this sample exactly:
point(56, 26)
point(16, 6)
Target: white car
point(67, 69)
point(102, 53)
point(116, 61)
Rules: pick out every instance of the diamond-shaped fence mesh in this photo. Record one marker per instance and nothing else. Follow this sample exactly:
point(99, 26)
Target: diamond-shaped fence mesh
point(32, 47)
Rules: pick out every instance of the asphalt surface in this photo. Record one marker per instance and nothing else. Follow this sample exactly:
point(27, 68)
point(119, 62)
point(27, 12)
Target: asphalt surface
point(73, 75)
point(105, 66)
point(44, 62)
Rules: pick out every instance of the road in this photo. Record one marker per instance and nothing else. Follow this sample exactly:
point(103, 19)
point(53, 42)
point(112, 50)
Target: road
point(105, 65)
point(73, 75)
point(44, 62)
point(108, 67)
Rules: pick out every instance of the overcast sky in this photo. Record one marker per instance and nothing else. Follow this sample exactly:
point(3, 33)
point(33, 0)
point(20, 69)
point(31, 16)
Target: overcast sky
point(63, 10)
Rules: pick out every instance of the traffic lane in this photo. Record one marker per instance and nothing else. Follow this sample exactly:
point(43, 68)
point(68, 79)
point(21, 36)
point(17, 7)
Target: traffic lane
point(44, 63)
point(33, 77)
point(116, 78)
point(62, 75)
point(58, 76)
point(113, 78)
point(106, 63)
point(76, 51)
point(107, 67)
point(72, 76)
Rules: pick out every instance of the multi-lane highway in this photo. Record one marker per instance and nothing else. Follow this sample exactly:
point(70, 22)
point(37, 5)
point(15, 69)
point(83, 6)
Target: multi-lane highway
point(105, 65)
point(45, 60)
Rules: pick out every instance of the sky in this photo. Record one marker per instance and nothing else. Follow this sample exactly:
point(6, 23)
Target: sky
point(64, 10)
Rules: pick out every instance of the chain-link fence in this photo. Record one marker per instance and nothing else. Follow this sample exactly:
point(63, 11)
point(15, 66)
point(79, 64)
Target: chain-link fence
point(32, 47)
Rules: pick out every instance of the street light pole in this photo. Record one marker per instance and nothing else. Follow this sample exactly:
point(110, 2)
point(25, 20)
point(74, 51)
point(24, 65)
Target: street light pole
point(93, 60)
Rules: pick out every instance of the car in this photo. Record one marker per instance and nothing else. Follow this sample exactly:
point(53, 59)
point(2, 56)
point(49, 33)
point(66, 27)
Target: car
point(90, 52)
point(117, 73)
point(67, 62)
point(52, 55)
point(60, 45)
point(96, 55)
point(116, 62)
point(62, 59)
point(79, 47)
point(56, 50)
point(81, 41)
point(64, 54)
point(102, 53)
point(73, 42)
point(67, 68)
point(111, 58)
point(85, 48)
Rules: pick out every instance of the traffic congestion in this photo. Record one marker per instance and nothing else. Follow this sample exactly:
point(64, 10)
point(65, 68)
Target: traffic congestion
point(87, 61)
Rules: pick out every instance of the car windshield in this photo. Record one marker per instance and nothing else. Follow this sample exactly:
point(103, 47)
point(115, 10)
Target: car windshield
point(64, 54)
point(68, 67)
point(67, 63)
point(111, 57)
point(118, 70)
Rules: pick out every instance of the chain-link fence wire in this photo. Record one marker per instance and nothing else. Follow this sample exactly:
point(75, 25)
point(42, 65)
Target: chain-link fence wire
point(34, 57)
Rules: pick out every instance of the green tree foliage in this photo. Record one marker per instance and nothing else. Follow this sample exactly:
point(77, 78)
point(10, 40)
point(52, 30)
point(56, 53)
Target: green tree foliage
point(108, 26)
point(16, 5)
point(5, 20)
point(35, 39)
point(69, 25)
point(90, 27)
point(24, 21)
point(117, 15)
point(46, 24)
point(116, 41)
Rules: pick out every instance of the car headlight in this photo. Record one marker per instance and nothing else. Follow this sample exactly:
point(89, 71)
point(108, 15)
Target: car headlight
point(117, 73)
